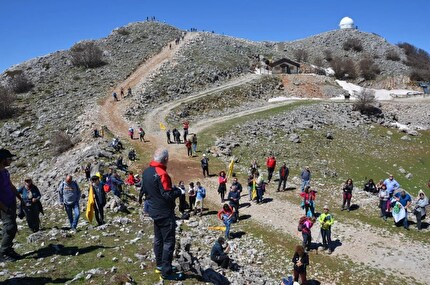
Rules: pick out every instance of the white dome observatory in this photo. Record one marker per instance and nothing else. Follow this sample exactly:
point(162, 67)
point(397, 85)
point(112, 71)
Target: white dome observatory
point(346, 23)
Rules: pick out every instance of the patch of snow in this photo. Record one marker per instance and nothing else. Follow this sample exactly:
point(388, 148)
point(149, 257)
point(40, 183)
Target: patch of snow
point(283, 98)
point(380, 94)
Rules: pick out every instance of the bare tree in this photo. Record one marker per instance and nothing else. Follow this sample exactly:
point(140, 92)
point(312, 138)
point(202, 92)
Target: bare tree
point(18, 82)
point(86, 54)
point(301, 55)
point(365, 101)
point(368, 68)
point(353, 44)
point(7, 99)
point(61, 142)
point(328, 55)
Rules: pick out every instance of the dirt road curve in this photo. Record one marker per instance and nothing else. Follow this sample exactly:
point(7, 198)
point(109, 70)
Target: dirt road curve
point(360, 242)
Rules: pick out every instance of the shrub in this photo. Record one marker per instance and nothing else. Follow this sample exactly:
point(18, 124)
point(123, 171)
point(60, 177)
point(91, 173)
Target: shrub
point(6, 99)
point(61, 142)
point(86, 54)
point(368, 69)
point(418, 60)
point(343, 69)
point(392, 55)
point(352, 44)
point(123, 31)
point(301, 55)
point(365, 102)
point(18, 82)
point(318, 61)
point(328, 55)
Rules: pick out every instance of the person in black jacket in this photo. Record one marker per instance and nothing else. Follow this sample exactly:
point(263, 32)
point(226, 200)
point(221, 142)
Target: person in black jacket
point(100, 199)
point(219, 253)
point(160, 196)
point(301, 261)
point(283, 176)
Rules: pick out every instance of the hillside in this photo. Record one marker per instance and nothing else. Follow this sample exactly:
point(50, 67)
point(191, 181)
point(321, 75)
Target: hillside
point(207, 79)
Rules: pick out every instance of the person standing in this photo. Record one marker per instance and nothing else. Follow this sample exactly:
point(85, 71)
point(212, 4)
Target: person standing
point(194, 144)
point(300, 261)
point(168, 136)
point(185, 126)
point(271, 164)
point(347, 194)
point(200, 196)
point(222, 188)
point(87, 171)
point(308, 203)
point(237, 184)
point(188, 146)
point(391, 184)
point(31, 204)
point(383, 198)
point(131, 133)
point(405, 199)
point(233, 198)
point(8, 195)
point(141, 134)
point(99, 199)
point(70, 194)
point(326, 220)
point(115, 96)
point(205, 165)
point(306, 232)
point(158, 188)
point(182, 200)
point(283, 176)
point(420, 208)
point(192, 192)
point(306, 177)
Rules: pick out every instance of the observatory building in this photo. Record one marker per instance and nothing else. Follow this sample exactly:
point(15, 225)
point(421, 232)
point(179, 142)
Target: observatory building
point(346, 23)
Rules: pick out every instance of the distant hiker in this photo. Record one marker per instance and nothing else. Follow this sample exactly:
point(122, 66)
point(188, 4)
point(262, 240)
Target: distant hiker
point(301, 261)
point(347, 194)
point(8, 196)
point(182, 200)
point(30, 204)
point(194, 143)
point(99, 199)
point(185, 126)
point(87, 171)
point(271, 164)
point(420, 208)
point(259, 186)
point(222, 188)
point(141, 134)
point(307, 224)
point(70, 194)
point(306, 177)
point(132, 155)
point(168, 136)
point(205, 165)
point(200, 197)
point(283, 176)
point(176, 136)
point(405, 200)
point(308, 203)
point(122, 92)
point(370, 187)
point(129, 91)
point(170, 46)
point(234, 199)
point(158, 188)
point(383, 199)
point(254, 167)
point(120, 163)
point(391, 184)
point(250, 185)
point(116, 144)
point(188, 146)
point(131, 133)
point(237, 184)
point(219, 253)
point(192, 192)
point(326, 220)
point(115, 97)
point(115, 182)
point(226, 214)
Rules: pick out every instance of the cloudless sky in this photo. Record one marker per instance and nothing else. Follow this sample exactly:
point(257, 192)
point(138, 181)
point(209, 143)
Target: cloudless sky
point(31, 28)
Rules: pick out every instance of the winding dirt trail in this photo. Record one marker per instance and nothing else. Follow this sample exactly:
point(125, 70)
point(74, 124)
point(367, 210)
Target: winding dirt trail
point(360, 242)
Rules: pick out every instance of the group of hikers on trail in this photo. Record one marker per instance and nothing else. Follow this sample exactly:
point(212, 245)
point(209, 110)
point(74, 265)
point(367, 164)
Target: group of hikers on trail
point(121, 92)
point(141, 133)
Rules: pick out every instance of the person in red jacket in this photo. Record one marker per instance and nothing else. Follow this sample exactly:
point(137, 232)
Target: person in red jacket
point(271, 164)
point(226, 214)
point(222, 188)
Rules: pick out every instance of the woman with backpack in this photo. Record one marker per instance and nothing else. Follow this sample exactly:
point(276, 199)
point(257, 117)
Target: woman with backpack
point(305, 225)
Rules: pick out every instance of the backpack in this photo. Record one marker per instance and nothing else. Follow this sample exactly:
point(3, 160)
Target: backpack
point(301, 223)
point(107, 186)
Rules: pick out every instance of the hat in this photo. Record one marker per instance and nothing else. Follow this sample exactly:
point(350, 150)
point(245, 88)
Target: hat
point(204, 155)
point(4, 153)
point(326, 207)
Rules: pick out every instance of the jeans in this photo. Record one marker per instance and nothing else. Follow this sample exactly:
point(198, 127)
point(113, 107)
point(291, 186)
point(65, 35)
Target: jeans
point(405, 220)
point(383, 206)
point(304, 184)
point(32, 216)
point(205, 171)
point(259, 195)
point(194, 145)
point(9, 229)
point(227, 223)
point(270, 173)
point(306, 240)
point(250, 192)
point(326, 237)
point(283, 182)
point(419, 218)
point(164, 243)
point(73, 213)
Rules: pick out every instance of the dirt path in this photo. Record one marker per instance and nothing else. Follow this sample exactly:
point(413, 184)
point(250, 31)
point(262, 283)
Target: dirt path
point(360, 242)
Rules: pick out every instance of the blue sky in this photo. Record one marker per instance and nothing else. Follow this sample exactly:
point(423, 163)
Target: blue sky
point(30, 28)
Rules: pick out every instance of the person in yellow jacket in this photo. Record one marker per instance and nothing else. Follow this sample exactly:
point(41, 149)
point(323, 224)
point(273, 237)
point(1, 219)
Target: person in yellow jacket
point(326, 220)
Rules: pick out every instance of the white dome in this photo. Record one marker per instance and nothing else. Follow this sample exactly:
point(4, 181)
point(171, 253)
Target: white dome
point(346, 23)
